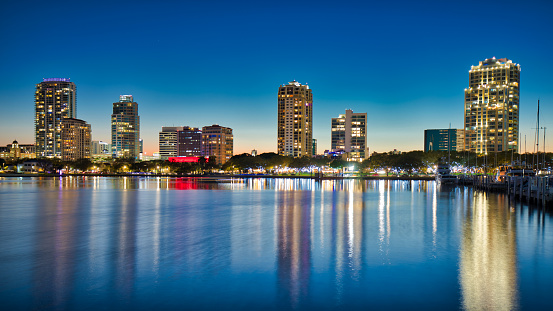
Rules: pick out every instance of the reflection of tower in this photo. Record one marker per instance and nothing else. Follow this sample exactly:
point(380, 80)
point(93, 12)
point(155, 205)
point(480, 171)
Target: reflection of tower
point(347, 235)
point(488, 256)
point(56, 252)
point(124, 246)
point(293, 247)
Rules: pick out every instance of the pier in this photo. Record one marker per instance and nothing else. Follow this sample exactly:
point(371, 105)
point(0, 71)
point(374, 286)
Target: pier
point(534, 189)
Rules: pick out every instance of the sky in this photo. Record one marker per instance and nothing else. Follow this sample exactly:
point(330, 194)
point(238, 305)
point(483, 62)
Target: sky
point(198, 63)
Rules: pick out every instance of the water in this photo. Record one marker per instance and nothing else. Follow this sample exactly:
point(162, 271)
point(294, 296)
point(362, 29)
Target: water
point(92, 243)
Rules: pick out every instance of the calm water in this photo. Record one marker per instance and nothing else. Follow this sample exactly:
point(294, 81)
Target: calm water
point(152, 243)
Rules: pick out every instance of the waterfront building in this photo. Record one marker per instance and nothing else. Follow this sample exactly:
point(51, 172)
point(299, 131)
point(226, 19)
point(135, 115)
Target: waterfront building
point(217, 141)
point(125, 128)
point(295, 120)
point(492, 106)
point(55, 100)
point(15, 150)
point(444, 140)
point(349, 135)
point(75, 137)
point(99, 148)
point(314, 147)
point(189, 142)
point(168, 141)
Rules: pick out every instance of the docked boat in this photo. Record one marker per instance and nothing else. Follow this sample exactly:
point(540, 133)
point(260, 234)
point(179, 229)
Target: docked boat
point(444, 176)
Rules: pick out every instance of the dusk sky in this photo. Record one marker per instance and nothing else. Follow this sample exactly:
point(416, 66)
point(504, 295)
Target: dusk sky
point(198, 63)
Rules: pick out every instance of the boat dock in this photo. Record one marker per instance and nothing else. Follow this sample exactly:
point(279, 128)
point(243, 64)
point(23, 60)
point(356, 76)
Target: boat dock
point(534, 189)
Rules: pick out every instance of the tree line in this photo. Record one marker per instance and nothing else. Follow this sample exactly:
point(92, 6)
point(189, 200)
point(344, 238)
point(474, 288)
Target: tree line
point(411, 162)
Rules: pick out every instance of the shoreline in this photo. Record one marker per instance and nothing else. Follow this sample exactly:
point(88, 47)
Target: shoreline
point(217, 176)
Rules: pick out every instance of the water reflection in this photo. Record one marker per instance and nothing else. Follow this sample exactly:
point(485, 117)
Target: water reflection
point(488, 265)
point(144, 243)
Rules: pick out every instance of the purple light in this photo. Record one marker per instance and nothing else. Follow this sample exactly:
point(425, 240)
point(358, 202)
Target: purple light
point(56, 80)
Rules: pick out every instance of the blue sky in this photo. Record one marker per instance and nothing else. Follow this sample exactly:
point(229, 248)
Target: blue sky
point(199, 63)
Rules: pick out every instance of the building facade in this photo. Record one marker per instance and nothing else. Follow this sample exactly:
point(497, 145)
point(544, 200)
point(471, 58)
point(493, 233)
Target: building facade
point(125, 128)
point(55, 100)
point(218, 142)
point(15, 150)
point(190, 142)
point(492, 106)
point(349, 135)
point(168, 141)
point(100, 148)
point(444, 140)
point(75, 136)
point(295, 120)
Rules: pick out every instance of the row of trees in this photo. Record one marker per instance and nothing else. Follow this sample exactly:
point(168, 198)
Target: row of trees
point(407, 162)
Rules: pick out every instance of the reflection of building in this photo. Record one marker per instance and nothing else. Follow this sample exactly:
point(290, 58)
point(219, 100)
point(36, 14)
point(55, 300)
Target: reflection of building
point(125, 128)
point(293, 248)
point(488, 263)
point(217, 141)
point(349, 134)
point(491, 106)
point(295, 120)
point(75, 136)
point(444, 140)
point(55, 100)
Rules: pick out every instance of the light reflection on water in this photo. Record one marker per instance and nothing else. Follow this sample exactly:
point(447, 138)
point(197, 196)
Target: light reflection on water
point(142, 243)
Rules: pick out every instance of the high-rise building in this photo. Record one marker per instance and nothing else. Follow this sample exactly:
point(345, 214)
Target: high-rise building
point(75, 136)
point(444, 140)
point(314, 147)
point(55, 100)
point(125, 128)
point(190, 142)
point(295, 120)
point(492, 106)
point(349, 135)
point(168, 141)
point(217, 141)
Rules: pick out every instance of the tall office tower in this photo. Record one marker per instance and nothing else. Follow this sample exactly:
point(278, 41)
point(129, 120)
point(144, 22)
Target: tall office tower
point(314, 147)
point(189, 142)
point(55, 100)
point(295, 120)
point(75, 137)
point(444, 140)
point(349, 134)
point(217, 141)
point(125, 128)
point(491, 106)
point(168, 141)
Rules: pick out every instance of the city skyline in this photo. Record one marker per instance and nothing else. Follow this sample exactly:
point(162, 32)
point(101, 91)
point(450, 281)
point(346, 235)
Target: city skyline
point(205, 64)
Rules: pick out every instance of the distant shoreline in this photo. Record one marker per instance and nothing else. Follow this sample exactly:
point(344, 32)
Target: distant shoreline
point(217, 176)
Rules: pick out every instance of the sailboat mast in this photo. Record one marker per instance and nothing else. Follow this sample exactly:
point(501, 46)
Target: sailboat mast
point(538, 139)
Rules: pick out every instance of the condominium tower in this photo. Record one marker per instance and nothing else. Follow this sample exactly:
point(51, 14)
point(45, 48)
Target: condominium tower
point(55, 100)
point(349, 135)
point(125, 128)
point(295, 120)
point(492, 106)
point(218, 142)
point(75, 135)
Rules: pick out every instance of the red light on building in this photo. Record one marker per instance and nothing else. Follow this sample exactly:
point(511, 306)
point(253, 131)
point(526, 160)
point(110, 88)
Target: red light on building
point(185, 159)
